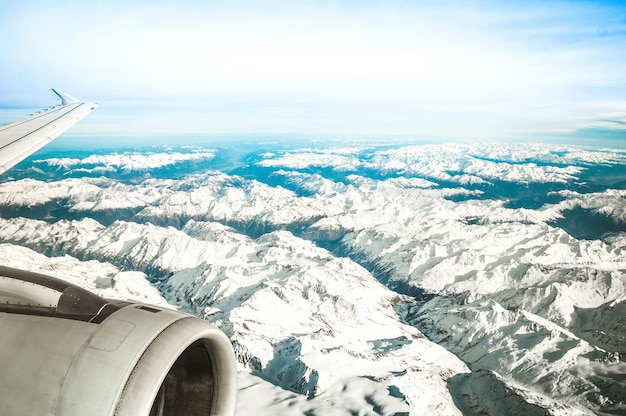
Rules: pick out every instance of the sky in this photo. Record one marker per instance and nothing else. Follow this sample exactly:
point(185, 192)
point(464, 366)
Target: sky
point(466, 70)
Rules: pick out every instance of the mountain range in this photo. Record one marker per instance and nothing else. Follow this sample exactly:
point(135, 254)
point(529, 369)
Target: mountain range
point(358, 279)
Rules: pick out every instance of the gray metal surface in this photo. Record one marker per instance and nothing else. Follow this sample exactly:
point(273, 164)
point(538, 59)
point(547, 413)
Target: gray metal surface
point(21, 138)
point(64, 365)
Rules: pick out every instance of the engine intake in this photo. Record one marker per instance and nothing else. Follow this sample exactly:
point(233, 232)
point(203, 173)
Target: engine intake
point(65, 351)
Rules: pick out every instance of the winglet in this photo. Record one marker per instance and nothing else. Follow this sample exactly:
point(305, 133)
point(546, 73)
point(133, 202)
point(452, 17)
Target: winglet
point(65, 98)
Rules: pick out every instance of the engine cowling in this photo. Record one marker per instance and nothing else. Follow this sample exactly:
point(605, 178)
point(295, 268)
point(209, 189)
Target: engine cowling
point(65, 351)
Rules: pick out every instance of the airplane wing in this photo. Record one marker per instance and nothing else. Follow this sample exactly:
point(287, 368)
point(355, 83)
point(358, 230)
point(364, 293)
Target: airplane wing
point(20, 139)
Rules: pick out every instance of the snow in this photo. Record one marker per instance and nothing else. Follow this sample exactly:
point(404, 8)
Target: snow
point(474, 164)
point(299, 317)
point(432, 298)
point(101, 278)
point(128, 161)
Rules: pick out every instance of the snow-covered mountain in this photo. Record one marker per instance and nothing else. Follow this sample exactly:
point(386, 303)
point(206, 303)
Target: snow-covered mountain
point(438, 279)
point(298, 317)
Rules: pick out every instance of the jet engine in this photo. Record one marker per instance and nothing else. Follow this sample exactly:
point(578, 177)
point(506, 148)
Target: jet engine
point(65, 351)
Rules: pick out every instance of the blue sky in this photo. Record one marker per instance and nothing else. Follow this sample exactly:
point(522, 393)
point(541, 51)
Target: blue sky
point(479, 70)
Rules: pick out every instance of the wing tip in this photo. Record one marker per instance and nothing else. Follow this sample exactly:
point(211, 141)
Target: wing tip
point(65, 98)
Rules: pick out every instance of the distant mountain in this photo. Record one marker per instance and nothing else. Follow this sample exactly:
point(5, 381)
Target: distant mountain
point(436, 279)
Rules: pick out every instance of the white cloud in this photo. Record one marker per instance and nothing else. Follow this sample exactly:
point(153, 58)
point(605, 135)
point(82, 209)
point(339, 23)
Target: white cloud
point(442, 69)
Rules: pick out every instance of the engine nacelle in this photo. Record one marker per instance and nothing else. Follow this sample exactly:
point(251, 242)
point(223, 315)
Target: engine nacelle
point(65, 351)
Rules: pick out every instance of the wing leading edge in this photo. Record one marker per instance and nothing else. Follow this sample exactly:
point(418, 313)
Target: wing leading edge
point(21, 138)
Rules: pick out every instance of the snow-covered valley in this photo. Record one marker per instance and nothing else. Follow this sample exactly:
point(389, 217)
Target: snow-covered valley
point(439, 279)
